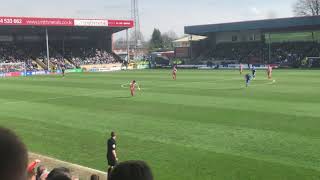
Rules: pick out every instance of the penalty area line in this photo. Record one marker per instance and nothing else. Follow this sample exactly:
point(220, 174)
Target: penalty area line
point(126, 86)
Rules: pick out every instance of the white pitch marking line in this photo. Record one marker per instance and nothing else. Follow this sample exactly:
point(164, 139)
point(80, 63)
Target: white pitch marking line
point(13, 102)
point(124, 86)
point(72, 164)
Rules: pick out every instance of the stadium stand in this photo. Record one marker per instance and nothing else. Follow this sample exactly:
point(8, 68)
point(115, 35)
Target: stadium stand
point(12, 54)
point(35, 59)
point(73, 42)
point(93, 56)
point(284, 41)
point(255, 52)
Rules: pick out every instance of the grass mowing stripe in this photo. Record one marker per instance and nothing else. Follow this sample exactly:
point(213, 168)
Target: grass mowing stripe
point(220, 138)
point(235, 103)
point(263, 132)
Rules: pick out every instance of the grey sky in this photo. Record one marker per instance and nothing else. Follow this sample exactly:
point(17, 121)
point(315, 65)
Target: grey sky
point(165, 14)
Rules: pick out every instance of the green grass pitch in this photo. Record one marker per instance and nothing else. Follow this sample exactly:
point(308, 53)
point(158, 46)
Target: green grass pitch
point(203, 126)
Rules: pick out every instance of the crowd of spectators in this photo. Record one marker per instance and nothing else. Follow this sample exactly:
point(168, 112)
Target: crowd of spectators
point(16, 55)
point(80, 56)
point(14, 165)
point(235, 51)
point(56, 62)
point(285, 52)
point(56, 59)
point(293, 53)
point(93, 56)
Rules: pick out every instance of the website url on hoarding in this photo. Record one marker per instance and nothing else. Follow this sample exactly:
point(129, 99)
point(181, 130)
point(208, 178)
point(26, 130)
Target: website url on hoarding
point(50, 22)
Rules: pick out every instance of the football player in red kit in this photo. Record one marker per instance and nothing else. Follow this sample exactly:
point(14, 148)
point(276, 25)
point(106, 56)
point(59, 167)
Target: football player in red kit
point(269, 71)
point(133, 85)
point(241, 69)
point(174, 73)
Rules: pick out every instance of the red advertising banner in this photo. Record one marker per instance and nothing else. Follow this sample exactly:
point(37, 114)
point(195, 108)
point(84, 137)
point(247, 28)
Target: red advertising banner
point(13, 74)
point(17, 21)
point(120, 23)
point(27, 21)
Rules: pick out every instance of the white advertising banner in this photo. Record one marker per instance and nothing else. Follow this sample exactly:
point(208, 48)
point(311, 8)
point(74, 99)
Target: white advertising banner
point(84, 22)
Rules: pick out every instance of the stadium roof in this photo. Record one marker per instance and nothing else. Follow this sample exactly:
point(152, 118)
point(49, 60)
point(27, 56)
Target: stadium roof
point(64, 22)
point(308, 22)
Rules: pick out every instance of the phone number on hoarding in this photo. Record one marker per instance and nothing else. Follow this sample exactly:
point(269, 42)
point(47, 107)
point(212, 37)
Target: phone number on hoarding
point(10, 21)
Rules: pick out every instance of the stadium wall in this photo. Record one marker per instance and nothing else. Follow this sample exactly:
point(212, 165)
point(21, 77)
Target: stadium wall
point(242, 36)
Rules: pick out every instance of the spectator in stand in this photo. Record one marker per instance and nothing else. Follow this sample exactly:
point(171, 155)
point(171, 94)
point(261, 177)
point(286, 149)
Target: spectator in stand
point(42, 173)
point(131, 170)
point(31, 170)
point(61, 173)
point(94, 177)
point(13, 156)
point(94, 56)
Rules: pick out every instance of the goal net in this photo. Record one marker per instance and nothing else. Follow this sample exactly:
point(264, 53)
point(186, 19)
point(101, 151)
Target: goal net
point(12, 67)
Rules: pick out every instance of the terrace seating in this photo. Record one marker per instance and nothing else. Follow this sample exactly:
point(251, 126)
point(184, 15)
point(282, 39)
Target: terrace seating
point(35, 58)
point(15, 55)
point(94, 56)
point(286, 52)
